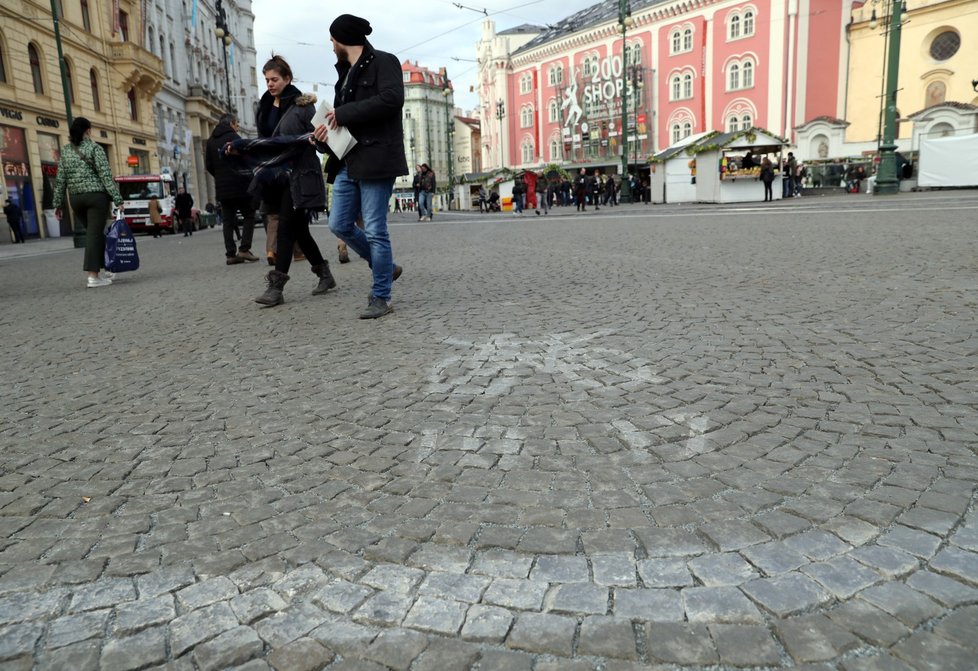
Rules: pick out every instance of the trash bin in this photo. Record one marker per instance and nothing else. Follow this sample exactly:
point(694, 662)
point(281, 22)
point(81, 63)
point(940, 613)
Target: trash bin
point(52, 224)
point(207, 220)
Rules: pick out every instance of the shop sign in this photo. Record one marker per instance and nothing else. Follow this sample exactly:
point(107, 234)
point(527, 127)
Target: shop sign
point(8, 113)
point(140, 141)
point(48, 122)
point(132, 161)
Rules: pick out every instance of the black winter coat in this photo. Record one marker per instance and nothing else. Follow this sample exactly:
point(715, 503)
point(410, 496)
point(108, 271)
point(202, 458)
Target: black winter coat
point(306, 174)
point(370, 105)
point(228, 182)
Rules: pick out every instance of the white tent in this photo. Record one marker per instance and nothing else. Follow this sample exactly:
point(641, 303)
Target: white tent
point(948, 161)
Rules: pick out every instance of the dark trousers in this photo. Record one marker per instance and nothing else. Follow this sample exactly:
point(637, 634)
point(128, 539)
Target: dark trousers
point(92, 211)
point(187, 225)
point(768, 191)
point(293, 229)
point(229, 209)
point(18, 233)
point(579, 197)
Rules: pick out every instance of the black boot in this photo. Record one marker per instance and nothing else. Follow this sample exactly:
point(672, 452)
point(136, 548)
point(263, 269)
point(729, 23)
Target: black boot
point(326, 281)
point(273, 294)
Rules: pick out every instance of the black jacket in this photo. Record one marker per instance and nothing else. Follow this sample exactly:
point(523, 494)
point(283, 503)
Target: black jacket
point(306, 175)
point(369, 99)
point(228, 183)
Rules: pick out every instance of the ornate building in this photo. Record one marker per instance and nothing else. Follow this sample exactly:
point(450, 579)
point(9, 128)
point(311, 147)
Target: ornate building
point(206, 76)
point(429, 122)
point(110, 79)
point(676, 67)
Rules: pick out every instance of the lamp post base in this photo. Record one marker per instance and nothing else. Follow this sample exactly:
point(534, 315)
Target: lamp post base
point(887, 182)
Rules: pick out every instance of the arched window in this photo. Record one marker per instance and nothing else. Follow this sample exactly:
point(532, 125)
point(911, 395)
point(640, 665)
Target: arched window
point(748, 23)
point(635, 58)
point(164, 55)
point(735, 26)
point(733, 79)
point(677, 133)
point(553, 111)
point(93, 82)
point(746, 122)
point(555, 149)
point(526, 116)
point(35, 60)
point(687, 129)
point(677, 42)
point(733, 124)
point(71, 82)
point(676, 89)
point(151, 39)
point(747, 75)
point(687, 85)
point(526, 150)
point(559, 74)
point(688, 39)
point(133, 106)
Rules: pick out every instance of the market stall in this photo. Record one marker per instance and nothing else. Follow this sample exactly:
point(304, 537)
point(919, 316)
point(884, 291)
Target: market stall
point(729, 166)
point(673, 171)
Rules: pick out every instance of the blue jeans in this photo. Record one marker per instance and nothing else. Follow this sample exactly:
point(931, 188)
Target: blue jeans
point(368, 198)
point(424, 207)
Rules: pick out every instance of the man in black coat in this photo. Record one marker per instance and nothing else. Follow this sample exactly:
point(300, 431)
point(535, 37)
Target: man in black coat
point(12, 212)
point(184, 205)
point(369, 99)
point(231, 187)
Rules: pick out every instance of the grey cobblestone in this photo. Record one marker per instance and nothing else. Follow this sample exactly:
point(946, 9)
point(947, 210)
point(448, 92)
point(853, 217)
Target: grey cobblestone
point(738, 456)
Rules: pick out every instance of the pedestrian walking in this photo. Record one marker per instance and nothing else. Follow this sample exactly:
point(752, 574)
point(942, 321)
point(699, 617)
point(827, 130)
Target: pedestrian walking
point(594, 188)
point(155, 216)
point(184, 205)
point(12, 211)
point(428, 185)
point(369, 97)
point(543, 198)
point(231, 189)
point(416, 185)
point(290, 181)
point(84, 174)
point(519, 190)
point(791, 167)
point(580, 190)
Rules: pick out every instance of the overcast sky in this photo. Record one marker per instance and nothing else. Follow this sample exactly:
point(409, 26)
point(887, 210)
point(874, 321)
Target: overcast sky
point(432, 32)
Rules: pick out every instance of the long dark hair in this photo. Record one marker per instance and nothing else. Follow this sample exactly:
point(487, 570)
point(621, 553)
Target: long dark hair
point(79, 127)
point(278, 64)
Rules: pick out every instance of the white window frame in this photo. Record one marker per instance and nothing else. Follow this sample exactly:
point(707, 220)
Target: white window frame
point(748, 22)
point(733, 123)
point(733, 26)
point(688, 40)
point(733, 76)
point(676, 87)
point(526, 151)
point(526, 116)
point(526, 83)
point(676, 42)
point(687, 129)
point(677, 131)
point(747, 73)
point(556, 150)
point(687, 86)
point(553, 110)
point(746, 121)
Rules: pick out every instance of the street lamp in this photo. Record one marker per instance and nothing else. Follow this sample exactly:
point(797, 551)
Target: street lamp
point(625, 20)
point(449, 134)
point(500, 113)
point(638, 84)
point(224, 34)
point(887, 181)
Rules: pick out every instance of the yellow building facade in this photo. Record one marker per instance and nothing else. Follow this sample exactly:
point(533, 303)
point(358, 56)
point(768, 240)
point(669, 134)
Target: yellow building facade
point(112, 81)
point(939, 40)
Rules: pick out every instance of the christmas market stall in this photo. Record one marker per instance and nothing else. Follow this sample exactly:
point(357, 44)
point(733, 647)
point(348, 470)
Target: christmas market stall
point(673, 178)
point(728, 166)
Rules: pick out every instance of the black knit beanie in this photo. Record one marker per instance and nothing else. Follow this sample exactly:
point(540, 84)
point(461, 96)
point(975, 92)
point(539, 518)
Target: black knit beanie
point(350, 30)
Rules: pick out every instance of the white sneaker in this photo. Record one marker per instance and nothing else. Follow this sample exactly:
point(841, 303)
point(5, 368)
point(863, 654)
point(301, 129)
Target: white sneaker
point(107, 275)
point(95, 282)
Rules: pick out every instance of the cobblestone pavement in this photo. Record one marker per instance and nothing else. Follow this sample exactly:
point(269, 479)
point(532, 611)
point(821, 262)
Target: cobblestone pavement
point(651, 437)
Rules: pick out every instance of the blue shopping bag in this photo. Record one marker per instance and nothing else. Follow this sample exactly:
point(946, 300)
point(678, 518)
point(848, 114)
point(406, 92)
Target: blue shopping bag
point(120, 248)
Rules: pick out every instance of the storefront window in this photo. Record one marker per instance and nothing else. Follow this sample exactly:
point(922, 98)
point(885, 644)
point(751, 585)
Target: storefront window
point(49, 148)
point(93, 81)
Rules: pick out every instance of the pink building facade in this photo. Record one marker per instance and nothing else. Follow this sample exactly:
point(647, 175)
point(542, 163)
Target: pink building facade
point(689, 67)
